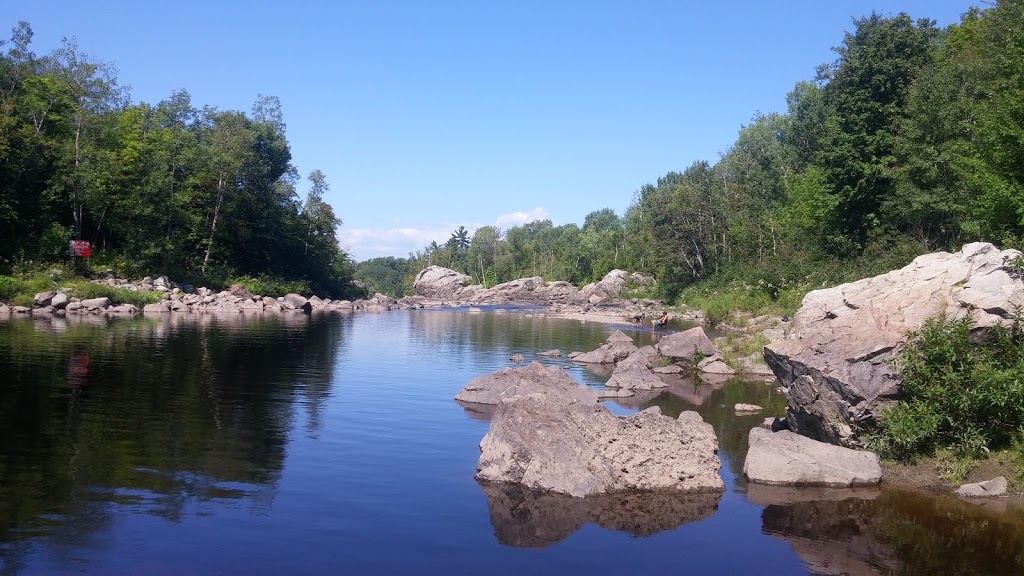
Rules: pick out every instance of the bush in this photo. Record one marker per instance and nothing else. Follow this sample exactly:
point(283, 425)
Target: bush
point(9, 287)
point(267, 286)
point(956, 393)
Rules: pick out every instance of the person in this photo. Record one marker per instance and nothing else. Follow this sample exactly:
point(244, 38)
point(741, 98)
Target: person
point(660, 321)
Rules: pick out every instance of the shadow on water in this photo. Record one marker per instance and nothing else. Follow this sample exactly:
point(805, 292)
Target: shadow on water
point(148, 415)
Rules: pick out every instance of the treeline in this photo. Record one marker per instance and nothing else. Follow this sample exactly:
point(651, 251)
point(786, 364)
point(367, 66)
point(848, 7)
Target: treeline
point(201, 194)
point(911, 140)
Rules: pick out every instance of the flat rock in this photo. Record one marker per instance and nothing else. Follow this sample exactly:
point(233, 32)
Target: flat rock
point(715, 365)
point(785, 458)
point(551, 354)
point(668, 369)
point(162, 307)
point(747, 408)
point(582, 449)
point(987, 489)
point(603, 355)
point(515, 381)
point(681, 345)
point(836, 363)
point(96, 303)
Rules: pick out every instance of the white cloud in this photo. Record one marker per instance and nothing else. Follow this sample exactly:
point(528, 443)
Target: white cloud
point(520, 218)
point(366, 243)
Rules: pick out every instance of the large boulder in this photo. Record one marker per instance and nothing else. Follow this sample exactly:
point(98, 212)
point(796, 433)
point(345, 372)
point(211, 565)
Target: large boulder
point(582, 449)
point(681, 345)
point(836, 365)
point(438, 282)
point(43, 298)
point(610, 287)
point(296, 301)
point(530, 379)
point(784, 458)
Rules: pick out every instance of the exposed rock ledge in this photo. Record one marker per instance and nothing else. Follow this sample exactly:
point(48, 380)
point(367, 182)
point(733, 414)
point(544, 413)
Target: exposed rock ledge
point(550, 434)
point(836, 363)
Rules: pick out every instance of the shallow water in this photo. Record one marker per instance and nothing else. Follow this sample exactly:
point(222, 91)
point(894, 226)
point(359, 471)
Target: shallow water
point(328, 444)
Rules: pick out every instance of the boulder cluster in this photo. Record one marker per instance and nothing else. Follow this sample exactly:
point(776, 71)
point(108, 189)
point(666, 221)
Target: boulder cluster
point(550, 434)
point(640, 369)
point(184, 298)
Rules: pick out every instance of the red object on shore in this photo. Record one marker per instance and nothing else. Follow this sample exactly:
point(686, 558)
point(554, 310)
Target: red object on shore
point(80, 248)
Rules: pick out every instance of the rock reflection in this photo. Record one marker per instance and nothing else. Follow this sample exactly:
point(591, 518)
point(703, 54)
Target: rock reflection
point(891, 531)
point(526, 519)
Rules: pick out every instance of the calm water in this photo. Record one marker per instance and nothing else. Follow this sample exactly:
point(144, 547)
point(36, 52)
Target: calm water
point(311, 445)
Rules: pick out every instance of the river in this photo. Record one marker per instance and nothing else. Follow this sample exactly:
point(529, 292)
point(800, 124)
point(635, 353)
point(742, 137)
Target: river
point(332, 444)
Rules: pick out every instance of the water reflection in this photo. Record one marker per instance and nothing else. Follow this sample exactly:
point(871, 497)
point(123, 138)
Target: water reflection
point(526, 519)
point(152, 416)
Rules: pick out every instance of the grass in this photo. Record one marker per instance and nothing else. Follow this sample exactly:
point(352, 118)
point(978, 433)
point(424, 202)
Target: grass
point(20, 289)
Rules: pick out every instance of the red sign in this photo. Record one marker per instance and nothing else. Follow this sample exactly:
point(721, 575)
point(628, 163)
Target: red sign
point(80, 248)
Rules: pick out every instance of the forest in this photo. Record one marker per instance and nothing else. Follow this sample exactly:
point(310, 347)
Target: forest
point(197, 193)
point(910, 141)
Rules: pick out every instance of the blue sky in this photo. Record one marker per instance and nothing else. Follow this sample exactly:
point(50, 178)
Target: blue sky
point(430, 115)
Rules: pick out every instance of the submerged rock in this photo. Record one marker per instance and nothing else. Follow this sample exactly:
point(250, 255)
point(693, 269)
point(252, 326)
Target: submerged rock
point(582, 449)
point(508, 382)
point(987, 489)
point(785, 458)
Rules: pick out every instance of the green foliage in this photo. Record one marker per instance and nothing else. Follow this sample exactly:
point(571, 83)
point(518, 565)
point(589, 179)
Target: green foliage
point(158, 189)
point(957, 393)
point(9, 287)
point(268, 286)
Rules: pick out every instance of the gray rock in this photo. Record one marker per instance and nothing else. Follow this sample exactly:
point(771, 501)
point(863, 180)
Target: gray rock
point(669, 369)
point(96, 303)
point(21, 310)
point(582, 449)
point(74, 306)
point(43, 299)
point(574, 354)
point(987, 489)
point(298, 302)
point(681, 345)
point(836, 362)
point(619, 336)
point(59, 301)
point(517, 358)
point(551, 354)
point(123, 309)
point(162, 307)
point(715, 365)
point(179, 306)
point(786, 458)
point(603, 355)
point(515, 381)
point(634, 376)
point(5, 310)
point(438, 282)
point(747, 408)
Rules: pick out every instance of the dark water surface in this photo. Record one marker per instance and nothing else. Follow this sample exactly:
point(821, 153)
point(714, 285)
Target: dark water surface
point(331, 444)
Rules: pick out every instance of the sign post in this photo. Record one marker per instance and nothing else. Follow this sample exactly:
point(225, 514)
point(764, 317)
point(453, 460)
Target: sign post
point(80, 249)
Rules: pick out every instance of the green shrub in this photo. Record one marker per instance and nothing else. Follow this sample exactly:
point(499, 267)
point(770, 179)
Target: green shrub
point(9, 287)
point(956, 393)
point(268, 286)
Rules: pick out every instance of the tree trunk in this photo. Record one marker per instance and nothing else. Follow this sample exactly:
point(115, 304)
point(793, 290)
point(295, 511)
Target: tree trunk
point(213, 225)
